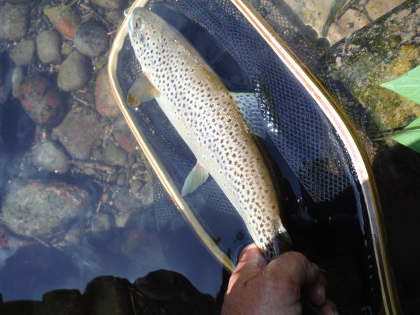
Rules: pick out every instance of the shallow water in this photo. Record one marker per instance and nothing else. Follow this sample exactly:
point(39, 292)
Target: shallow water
point(126, 226)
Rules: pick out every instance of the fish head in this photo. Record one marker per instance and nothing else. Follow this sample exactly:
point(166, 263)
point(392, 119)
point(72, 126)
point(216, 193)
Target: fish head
point(147, 32)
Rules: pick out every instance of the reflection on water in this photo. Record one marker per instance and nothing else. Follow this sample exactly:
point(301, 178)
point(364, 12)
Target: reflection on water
point(78, 199)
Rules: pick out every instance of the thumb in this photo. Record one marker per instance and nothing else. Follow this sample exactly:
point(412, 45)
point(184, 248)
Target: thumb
point(250, 263)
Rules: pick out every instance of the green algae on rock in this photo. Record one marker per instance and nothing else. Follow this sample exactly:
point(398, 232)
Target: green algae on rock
point(381, 53)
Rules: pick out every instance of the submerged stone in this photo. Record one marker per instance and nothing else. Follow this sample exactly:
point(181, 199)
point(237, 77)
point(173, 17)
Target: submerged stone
point(79, 131)
point(13, 25)
point(36, 208)
point(48, 46)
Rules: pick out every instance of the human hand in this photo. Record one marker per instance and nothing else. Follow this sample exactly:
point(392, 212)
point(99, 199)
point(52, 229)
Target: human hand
point(278, 287)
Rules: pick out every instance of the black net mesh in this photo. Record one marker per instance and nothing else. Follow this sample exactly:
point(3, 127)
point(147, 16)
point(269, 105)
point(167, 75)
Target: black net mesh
point(326, 215)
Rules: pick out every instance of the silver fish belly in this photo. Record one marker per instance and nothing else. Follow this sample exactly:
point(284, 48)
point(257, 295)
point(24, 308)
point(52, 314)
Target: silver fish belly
point(206, 116)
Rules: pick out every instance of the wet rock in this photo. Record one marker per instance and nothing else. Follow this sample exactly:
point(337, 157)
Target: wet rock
point(64, 19)
point(101, 222)
point(23, 52)
point(125, 203)
point(74, 72)
point(337, 20)
point(17, 79)
point(41, 100)
point(124, 136)
point(13, 19)
point(351, 21)
point(91, 39)
point(79, 131)
point(312, 12)
point(377, 8)
point(141, 183)
point(48, 47)
point(104, 98)
point(109, 4)
point(379, 54)
point(50, 156)
point(36, 208)
point(18, 1)
point(115, 155)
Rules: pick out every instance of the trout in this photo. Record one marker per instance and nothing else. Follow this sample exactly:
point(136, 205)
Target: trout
point(208, 118)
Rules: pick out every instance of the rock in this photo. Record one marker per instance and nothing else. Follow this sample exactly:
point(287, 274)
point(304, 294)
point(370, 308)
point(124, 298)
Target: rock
point(91, 39)
point(18, 1)
point(125, 203)
point(14, 23)
point(36, 208)
point(50, 156)
point(109, 4)
point(64, 19)
point(105, 101)
point(101, 222)
point(379, 54)
point(48, 47)
point(115, 155)
point(351, 21)
point(23, 52)
point(79, 131)
point(74, 72)
point(337, 20)
point(312, 12)
point(17, 78)
point(141, 183)
point(377, 8)
point(123, 135)
point(41, 100)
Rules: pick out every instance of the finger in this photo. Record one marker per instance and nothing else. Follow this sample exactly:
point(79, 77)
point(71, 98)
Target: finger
point(317, 290)
point(328, 308)
point(250, 263)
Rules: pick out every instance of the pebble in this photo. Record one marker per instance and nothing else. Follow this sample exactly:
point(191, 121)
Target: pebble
point(36, 208)
point(41, 100)
point(114, 155)
point(101, 222)
point(17, 78)
point(124, 136)
point(74, 72)
point(23, 52)
point(48, 47)
point(109, 4)
point(91, 39)
point(13, 19)
point(64, 19)
point(49, 156)
point(79, 131)
point(105, 101)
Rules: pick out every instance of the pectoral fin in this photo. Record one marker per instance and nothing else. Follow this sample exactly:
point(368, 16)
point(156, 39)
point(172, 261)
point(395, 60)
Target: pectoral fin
point(195, 178)
point(141, 91)
point(248, 106)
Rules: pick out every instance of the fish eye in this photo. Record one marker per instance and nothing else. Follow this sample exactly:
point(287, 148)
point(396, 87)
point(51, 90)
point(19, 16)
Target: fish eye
point(137, 23)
